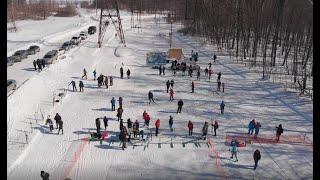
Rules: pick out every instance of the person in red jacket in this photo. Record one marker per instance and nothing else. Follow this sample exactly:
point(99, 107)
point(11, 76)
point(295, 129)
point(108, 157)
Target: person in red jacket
point(190, 127)
point(157, 126)
point(171, 94)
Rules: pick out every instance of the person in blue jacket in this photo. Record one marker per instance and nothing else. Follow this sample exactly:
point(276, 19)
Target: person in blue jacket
point(251, 127)
point(222, 107)
point(234, 149)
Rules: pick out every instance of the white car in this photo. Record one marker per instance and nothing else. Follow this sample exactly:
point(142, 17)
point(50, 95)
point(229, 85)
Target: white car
point(11, 85)
point(83, 35)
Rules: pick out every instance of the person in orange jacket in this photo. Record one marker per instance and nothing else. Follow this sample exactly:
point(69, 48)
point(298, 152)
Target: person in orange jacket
point(157, 126)
point(171, 94)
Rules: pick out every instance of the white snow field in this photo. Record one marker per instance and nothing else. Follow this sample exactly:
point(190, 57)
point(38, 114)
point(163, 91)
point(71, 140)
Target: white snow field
point(171, 155)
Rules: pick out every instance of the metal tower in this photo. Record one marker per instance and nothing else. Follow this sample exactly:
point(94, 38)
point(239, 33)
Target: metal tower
point(110, 14)
point(136, 10)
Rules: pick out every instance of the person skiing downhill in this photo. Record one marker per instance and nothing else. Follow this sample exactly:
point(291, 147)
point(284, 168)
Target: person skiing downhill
point(234, 149)
point(113, 104)
point(128, 73)
point(215, 126)
point(157, 126)
point(205, 130)
point(35, 65)
point(121, 72)
point(74, 87)
point(279, 132)
point(171, 94)
point(171, 123)
point(94, 74)
point(192, 87)
point(168, 86)
point(105, 122)
point(180, 104)
point(150, 96)
point(222, 107)
point(84, 73)
point(81, 86)
point(190, 127)
point(256, 158)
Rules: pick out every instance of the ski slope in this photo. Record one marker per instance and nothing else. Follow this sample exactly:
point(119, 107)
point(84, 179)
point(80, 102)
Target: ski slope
point(71, 155)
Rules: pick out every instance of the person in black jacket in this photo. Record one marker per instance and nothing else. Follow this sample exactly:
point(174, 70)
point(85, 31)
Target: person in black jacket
point(279, 132)
point(105, 122)
point(57, 118)
point(171, 123)
point(60, 123)
point(81, 86)
point(121, 72)
point(39, 65)
point(168, 86)
point(256, 157)
point(171, 83)
point(98, 125)
point(35, 65)
point(74, 87)
point(44, 175)
point(128, 73)
point(150, 96)
point(180, 104)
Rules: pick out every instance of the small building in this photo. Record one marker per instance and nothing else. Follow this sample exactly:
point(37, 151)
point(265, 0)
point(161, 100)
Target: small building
point(175, 54)
point(156, 58)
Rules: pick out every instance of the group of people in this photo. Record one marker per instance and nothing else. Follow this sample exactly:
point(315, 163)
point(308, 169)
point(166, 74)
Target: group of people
point(59, 123)
point(40, 63)
point(121, 73)
point(74, 87)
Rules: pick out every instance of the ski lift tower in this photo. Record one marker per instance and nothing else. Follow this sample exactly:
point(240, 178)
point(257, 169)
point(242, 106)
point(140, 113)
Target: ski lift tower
point(12, 19)
point(136, 10)
point(110, 14)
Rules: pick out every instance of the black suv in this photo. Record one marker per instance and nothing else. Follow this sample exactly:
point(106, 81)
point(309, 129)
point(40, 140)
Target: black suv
point(21, 54)
point(33, 50)
point(66, 46)
point(92, 30)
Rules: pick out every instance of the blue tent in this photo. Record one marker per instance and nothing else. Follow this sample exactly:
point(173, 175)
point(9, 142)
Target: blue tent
point(156, 58)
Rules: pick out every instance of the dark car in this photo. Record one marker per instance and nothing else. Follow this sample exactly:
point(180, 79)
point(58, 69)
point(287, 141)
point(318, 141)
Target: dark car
point(66, 46)
point(11, 85)
point(9, 61)
point(92, 30)
point(21, 54)
point(33, 50)
point(75, 40)
point(50, 57)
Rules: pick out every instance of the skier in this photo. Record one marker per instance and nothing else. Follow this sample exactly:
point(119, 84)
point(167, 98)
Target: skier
point(94, 74)
point(129, 125)
point(205, 130)
point(256, 158)
point(190, 127)
point(49, 121)
point(74, 87)
point(251, 126)
point(219, 84)
point(120, 101)
point(222, 87)
point(35, 65)
point(113, 104)
point(84, 73)
point(111, 80)
point(57, 118)
point(222, 107)
point(128, 73)
point(163, 70)
point(105, 122)
point(98, 125)
point(135, 128)
point(150, 96)
point(171, 94)
point(106, 81)
point(180, 104)
point(157, 126)
point(206, 72)
point(279, 132)
point(44, 175)
point(81, 86)
point(170, 123)
point(215, 127)
point(119, 113)
point(198, 75)
point(121, 72)
point(168, 85)
point(256, 129)
point(214, 57)
point(160, 70)
point(234, 149)
point(39, 65)
point(123, 137)
point(192, 87)
point(171, 83)
point(60, 123)
point(219, 76)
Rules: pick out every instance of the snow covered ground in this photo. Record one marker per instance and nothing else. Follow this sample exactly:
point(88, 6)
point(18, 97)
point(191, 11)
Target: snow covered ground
point(70, 155)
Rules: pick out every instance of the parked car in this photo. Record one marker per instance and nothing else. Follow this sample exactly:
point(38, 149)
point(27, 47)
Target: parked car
point(61, 51)
point(21, 54)
point(33, 50)
point(92, 30)
point(66, 46)
point(75, 40)
point(50, 56)
point(10, 61)
point(11, 85)
point(83, 35)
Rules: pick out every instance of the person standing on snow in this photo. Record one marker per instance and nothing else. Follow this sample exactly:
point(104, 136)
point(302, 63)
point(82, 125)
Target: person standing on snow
point(163, 70)
point(121, 72)
point(205, 130)
point(128, 73)
point(171, 83)
point(129, 125)
point(81, 86)
point(120, 101)
point(198, 75)
point(43, 63)
point(279, 132)
point(210, 64)
point(222, 107)
point(123, 137)
point(190, 127)
point(94, 74)
point(60, 123)
point(215, 126)
point(106, 81)
point(111, 80)
point(157, 126)
point(74, 87)
point(168, 85)
point(44, 175)
point(160, 70)
point(219, 84)
point(256, 158)
point(119, 113)
point(135, 128)
point(35, 65)
point(192, 87)
point(206, 72)
point(256, 129)
point(214, 58)
point(251, 126)
point(150, 96)
point(171, 123)
point(234, 149)
point(57, 118)
point(84, 73)
point(49, 121)
point(105, 122)
point(171, 94)
point(39, 65)
point(180, 104)
point(222, 87)
point(219, 76)
point(113, 104)
point(98, 125)
point(210, 73)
